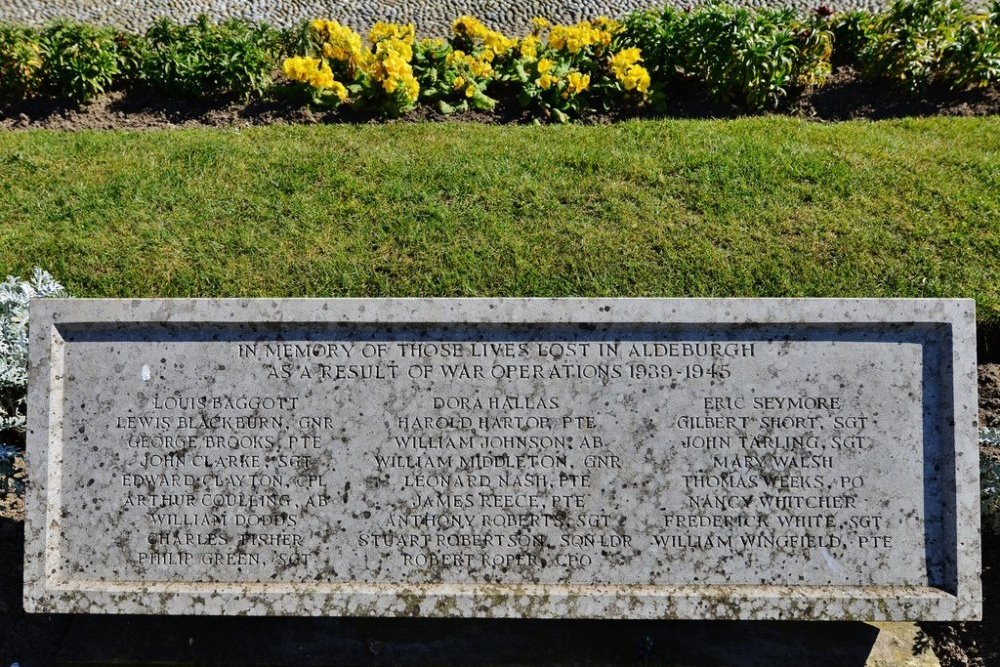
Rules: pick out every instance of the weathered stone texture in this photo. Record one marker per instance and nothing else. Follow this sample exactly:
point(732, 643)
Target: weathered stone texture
point(566, 458)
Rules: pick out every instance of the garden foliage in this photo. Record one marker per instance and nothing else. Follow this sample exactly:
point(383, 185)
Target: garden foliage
point(14, 297)
point(205, 59)
point(20, 61)
point(753, 59)
point(918, 43)
point(79, 61)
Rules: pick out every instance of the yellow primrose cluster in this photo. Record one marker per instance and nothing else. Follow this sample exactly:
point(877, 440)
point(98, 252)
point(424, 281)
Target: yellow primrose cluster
point(392, 69)
point(389, 65)
point(468, 87)
point(574, 38)
point(496, 43)
point(382, 31)
point(479, 67)
point(538, 24)
point(381, 69)
point(393, 45)
point(606, 24)
point(545, 80)
point(528, 48)
point(432, 43)
point(316, 73)
point(576, 83)
point(340, 43)
point(626, 68)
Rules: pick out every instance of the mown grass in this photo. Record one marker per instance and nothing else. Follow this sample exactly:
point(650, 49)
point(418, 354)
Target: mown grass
point(767, 206)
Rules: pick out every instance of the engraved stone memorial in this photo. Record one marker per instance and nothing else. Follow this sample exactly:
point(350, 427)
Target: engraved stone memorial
point(615, 458)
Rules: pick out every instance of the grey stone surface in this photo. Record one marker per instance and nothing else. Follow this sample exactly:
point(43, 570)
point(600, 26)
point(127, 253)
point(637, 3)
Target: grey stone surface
point(432, 18)
point(636, 458)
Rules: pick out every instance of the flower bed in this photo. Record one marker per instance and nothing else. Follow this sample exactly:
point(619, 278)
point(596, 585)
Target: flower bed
point(752, 60)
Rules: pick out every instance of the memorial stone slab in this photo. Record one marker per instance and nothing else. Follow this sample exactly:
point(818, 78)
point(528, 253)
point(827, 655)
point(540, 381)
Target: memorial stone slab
point(612, 458)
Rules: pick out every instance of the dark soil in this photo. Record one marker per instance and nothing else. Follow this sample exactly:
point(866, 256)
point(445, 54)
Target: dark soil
point(844, 97)
point(989, 396)
point(973, 644)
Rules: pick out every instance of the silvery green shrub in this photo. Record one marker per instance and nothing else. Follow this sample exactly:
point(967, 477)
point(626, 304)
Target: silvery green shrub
point(990, 479)
point(14, 297)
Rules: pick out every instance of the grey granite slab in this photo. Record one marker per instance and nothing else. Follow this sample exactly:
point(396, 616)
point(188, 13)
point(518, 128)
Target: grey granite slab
point(614, 458)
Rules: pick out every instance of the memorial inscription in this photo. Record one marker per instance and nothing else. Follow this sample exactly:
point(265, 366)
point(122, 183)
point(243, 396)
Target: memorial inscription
point(573, 458)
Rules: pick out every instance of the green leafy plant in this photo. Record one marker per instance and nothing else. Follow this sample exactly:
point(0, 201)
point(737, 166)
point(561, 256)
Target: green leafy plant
point(452, 81)
point(132, 47)
point(456, 75)
point(974, 58)
point(749, 58)
point(852, 32)
point(205, 59)
point(753, 57)
point(20, 61)
point(79, 61)
point(911, 42)
point(655, 32)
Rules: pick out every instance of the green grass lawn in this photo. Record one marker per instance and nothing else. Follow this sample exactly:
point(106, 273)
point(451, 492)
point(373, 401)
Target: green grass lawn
point(768, 206)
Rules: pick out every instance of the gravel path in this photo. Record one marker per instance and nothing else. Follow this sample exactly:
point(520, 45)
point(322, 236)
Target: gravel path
point(432, 17)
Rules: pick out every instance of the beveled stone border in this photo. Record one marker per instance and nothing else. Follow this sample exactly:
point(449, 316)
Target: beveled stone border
point(45, 591)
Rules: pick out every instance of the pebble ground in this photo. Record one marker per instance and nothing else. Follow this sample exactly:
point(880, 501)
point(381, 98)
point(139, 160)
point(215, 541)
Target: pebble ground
point(431, 17)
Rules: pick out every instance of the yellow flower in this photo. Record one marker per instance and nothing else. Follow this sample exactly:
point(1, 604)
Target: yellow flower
point(295, 67)
point(459, 82)
point(394, 65)
point(315, 72)
point(574, 38)
point(412, 88)
point(393, 46)
point(539, 24)
point(545, 81)
point(382, 31)
point(498, 42)
point(468, 26)
point(545, 65)
point(529, 47)
point(322, 78)
point(621, 61)
point(470, 90)
point(480, 68)
point(636, 77)
point(605, 24)
point(335, 52)
point(339, 90)
point(576, 83)
point(432, 42)
point(339, 42)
